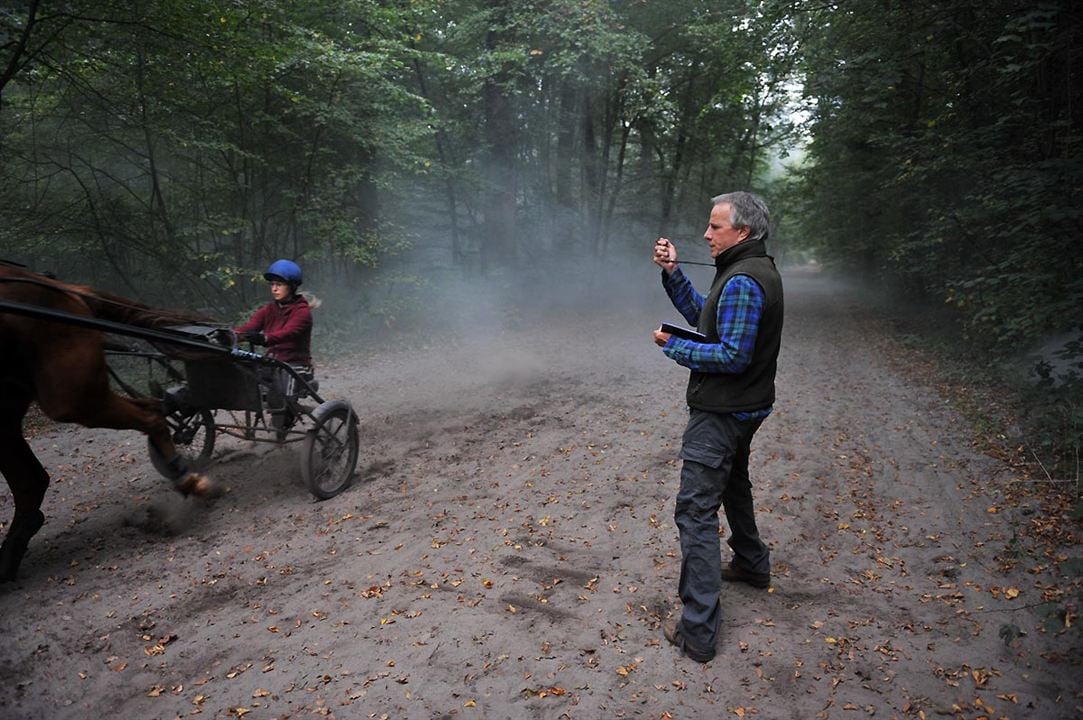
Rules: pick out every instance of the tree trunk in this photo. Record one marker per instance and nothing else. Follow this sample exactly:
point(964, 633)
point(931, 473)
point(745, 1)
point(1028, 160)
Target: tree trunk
point(499, 171)
point(565, 198)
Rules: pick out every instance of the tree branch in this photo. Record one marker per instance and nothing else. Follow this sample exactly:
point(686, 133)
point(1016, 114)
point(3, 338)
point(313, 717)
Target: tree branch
point(20, 47)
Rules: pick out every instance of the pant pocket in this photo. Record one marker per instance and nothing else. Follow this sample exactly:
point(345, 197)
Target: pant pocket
point(703, 454)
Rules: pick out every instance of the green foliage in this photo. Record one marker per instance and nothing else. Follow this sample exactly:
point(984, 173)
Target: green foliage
point(193, 140)
point(170, 149)
point(945, 161)
point(946, 154)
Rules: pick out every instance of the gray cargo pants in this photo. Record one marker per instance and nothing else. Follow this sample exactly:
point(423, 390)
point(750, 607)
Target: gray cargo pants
point(715, 452)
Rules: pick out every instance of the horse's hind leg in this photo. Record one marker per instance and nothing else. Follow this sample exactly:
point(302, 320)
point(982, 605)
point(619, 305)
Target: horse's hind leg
point(73, 386)
point(124, 413)
point(157, 430)
point(28, 482)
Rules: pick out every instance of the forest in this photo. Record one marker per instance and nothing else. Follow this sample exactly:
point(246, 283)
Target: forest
point(169, 150)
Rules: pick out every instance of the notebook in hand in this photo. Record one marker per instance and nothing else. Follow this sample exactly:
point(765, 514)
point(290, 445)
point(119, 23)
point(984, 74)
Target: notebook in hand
point(683, 332)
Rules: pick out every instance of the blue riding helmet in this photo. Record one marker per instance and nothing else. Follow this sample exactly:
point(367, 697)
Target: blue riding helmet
point(286, 270)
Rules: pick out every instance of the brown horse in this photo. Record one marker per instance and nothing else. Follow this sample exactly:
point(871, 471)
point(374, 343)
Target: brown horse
point(63, 369)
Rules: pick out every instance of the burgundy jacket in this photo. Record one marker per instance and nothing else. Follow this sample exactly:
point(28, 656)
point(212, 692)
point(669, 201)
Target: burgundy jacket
point(288, 329)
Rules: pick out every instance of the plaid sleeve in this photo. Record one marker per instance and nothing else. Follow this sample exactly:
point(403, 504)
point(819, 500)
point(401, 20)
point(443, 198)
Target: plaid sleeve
point(739, 310)
point(683, 296)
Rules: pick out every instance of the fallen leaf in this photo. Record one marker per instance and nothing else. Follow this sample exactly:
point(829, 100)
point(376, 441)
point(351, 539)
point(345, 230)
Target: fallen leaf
point(981, 676)
point(543, 692)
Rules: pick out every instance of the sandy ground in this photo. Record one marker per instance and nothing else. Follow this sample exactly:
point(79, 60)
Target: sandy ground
point(509, 552)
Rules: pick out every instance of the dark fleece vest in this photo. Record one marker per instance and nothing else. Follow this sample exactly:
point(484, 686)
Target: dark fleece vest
point(753, 389)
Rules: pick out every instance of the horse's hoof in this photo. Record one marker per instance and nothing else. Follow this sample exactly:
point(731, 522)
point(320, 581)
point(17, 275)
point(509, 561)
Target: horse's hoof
point(199, 485)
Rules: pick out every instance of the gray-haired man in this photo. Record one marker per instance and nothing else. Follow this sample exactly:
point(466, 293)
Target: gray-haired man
point(730, 392)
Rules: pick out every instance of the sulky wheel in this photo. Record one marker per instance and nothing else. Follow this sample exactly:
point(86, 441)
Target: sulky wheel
point(193, 436)
point(329, 453)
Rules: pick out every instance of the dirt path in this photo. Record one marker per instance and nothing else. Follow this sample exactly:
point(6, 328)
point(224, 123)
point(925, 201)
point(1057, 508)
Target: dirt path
point(510, 553)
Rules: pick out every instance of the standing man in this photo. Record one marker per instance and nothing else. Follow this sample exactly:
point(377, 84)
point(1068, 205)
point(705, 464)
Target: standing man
point(730, 392)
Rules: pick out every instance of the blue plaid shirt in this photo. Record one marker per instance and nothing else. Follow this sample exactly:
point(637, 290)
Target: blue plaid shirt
point(739, 310)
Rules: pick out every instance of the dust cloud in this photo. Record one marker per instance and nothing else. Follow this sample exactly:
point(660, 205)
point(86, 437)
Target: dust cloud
point(166, 515)
point(483, 321)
